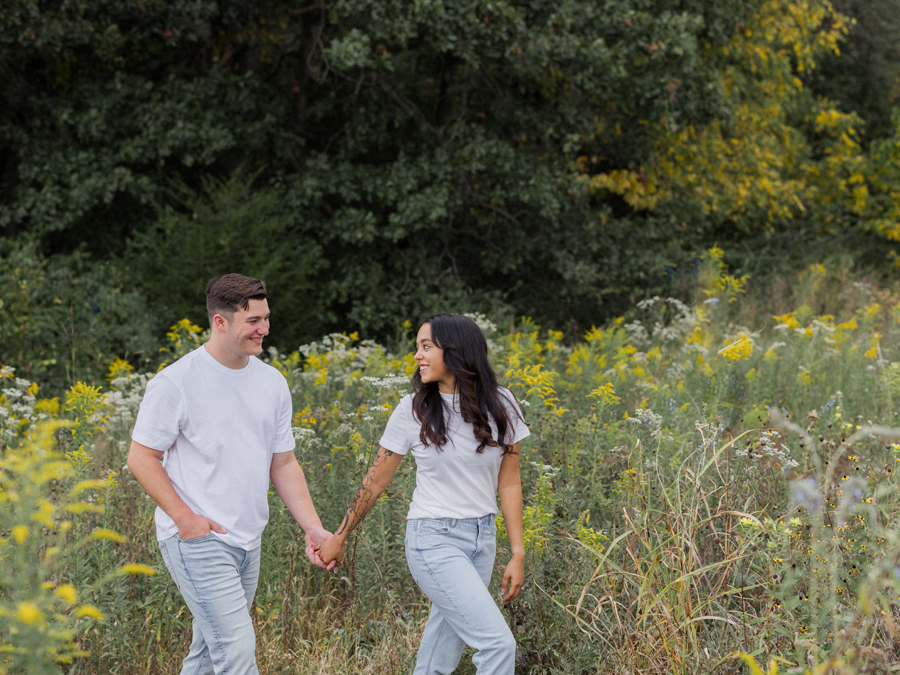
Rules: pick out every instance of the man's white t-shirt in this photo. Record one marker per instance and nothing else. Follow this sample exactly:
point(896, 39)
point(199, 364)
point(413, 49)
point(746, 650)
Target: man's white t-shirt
point(454, 481)
point(218, 428)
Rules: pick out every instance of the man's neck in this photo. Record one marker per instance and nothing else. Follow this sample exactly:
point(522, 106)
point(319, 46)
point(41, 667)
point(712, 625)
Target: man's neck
point(225, 357)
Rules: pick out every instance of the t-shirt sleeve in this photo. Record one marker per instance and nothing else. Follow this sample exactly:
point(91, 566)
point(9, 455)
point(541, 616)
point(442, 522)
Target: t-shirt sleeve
point(159, 417)
point(519, 428)
point(284, 436)
point(396, 433)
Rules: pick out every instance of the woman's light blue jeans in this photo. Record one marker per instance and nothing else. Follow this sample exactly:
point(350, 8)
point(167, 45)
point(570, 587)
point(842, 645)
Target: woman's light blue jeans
point(451, 561)
point(217, 582)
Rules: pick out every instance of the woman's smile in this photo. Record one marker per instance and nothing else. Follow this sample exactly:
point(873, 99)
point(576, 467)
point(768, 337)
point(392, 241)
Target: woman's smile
point(430, 358)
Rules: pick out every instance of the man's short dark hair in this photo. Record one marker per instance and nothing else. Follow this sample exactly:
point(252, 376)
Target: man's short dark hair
point(229, 293)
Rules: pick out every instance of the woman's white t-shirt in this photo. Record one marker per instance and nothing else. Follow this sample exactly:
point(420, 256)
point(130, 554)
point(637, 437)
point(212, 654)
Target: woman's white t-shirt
point(454, 481)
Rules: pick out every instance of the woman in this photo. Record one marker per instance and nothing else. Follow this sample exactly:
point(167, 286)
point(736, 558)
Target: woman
point(463, 430)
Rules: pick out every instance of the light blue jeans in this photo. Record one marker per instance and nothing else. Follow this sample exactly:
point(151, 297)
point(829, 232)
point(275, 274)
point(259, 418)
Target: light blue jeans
point(217, 582)
point(451, 561)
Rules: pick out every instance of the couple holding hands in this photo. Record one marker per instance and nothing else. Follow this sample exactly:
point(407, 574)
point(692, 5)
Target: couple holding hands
point(220, 420)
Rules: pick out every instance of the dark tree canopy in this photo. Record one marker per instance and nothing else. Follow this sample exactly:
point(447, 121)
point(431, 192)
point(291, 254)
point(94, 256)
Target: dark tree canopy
point(374, 161)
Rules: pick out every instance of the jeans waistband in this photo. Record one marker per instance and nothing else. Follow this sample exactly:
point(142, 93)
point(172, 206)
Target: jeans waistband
point(483, 521)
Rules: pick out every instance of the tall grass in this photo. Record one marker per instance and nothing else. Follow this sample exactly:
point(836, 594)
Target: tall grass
point(708, 485)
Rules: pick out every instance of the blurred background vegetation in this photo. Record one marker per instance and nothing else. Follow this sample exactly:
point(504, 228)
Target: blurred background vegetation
point(575, 162)
point(377, 161)
point(700, 496)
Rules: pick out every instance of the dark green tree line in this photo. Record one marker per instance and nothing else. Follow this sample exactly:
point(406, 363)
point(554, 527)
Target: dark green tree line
point(372, 160)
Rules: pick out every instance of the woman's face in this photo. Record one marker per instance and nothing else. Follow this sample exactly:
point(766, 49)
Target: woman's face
point(430, 358)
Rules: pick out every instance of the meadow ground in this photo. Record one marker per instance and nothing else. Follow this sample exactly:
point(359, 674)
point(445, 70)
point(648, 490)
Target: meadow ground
point(708, 487)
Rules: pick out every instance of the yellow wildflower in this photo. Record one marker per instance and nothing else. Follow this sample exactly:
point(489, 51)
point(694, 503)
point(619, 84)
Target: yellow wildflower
point(137, 568)
point(28, 612)
point(737, 350)
point(67, 593)
point(112, 535)
point(91, 611)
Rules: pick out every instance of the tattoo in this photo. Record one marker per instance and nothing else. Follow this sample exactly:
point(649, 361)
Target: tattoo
point(365, 496)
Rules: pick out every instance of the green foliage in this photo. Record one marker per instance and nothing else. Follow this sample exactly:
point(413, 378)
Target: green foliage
point(536, 518)
point(87, 404)
point(96, 110)
point(38, 617)
point(65, 317)
point(559, 160)
point(414, 153)
point(231, 226)
point(863, 76)
point(700, 481)
point(42, 517)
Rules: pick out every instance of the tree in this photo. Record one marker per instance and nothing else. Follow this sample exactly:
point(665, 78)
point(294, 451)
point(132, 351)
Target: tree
point(62, 318)
point(534, 157)
point(863, 76)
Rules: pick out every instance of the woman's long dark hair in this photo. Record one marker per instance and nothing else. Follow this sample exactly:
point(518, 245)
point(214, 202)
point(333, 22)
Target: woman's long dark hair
point(466, 356)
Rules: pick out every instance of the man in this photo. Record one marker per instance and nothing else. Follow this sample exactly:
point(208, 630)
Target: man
point(221, 421)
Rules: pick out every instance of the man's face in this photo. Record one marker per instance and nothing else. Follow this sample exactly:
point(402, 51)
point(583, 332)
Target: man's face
point(245, 331)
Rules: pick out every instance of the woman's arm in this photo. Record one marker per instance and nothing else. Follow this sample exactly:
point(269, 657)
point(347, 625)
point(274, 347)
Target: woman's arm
point(377, 478)
point(509, 487)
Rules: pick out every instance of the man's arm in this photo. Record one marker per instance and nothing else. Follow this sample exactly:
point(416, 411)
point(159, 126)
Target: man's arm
point(290, 484)
point(143, 462)
point(509, 488)
point(377, 478)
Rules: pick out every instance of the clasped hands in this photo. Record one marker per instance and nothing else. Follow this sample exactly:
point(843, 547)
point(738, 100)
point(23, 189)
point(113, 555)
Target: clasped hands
point(315, 540)
point(329, 552)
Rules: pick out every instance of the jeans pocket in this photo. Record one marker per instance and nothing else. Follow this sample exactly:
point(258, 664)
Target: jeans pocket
point(428, 527)
point(196, 540)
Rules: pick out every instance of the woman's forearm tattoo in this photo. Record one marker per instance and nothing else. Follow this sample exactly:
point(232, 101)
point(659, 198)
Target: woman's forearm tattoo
point(365, 496)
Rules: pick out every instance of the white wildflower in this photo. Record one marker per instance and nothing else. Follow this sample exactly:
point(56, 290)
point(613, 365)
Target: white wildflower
point(545, 469)
point(648, 303)
point(647, 419)
point(768, 447)
point(21, 409)
point(489, 328)
point(637, 332)
point(388, 382)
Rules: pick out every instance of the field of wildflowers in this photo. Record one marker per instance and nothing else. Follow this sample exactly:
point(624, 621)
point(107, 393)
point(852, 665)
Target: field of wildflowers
point(709, 487)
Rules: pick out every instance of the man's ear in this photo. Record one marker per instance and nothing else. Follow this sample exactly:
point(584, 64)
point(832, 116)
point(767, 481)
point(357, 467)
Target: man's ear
point(220, 322)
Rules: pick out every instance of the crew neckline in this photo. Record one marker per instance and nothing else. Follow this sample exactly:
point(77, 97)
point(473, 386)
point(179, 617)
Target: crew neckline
point(234, 372)
point(452, 401)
